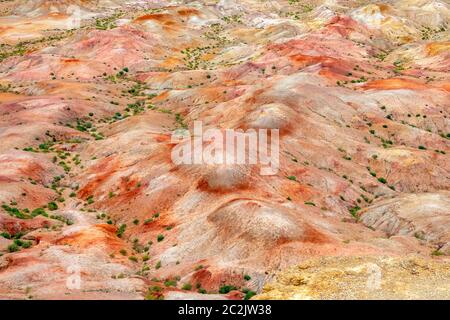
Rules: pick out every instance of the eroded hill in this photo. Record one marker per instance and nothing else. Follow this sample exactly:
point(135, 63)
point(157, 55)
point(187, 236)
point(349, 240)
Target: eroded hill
point(91, 92)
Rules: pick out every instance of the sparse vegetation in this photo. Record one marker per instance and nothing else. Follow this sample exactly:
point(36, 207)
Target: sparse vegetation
point(121, 230)
point(154, 293)
point(13, 247)
point(170, 283)
point(354, 212)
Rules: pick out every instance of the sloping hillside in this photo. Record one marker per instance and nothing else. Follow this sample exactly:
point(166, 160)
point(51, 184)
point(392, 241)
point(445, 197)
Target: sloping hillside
point(93, 206)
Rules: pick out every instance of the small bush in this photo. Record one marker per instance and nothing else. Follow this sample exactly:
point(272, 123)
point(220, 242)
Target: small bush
point(249, 294)
point(15, 212)
point(160, 237)
point(247, 277)
point(90, 200)
point(170, 283)
point(187, 286)
point(121, 230)
point(13, 247)
point(226, 289)
point(354, 211)
point(52, 206)
point(154, 293)
point(5, 235)
point(437, 253)
point(382, 180)
point(26, 244)
point(39, 211)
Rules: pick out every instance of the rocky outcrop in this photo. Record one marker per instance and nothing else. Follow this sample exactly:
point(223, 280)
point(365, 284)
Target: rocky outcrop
point(370, 278)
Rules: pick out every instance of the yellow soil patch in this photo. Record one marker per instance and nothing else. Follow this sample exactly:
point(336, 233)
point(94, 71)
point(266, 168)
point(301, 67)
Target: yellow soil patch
point(410, 277)
point(395, 83)
point(436, 48)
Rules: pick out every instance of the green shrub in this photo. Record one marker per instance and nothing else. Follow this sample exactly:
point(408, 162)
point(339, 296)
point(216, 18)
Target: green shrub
point(52, 206)
point(26, 244)
point(226, 289)
point(249, 294)
point(247, 277)
point(13, 247)
point(19, 235)
point(39, 211)
point(90, 199)
point(160, 237)
point(154, 293)
point(186, 286)
point(5, 235)
point(121, 230)
point(15, 212)
point(170, 283)
point(354, 211)
point(382, 180)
